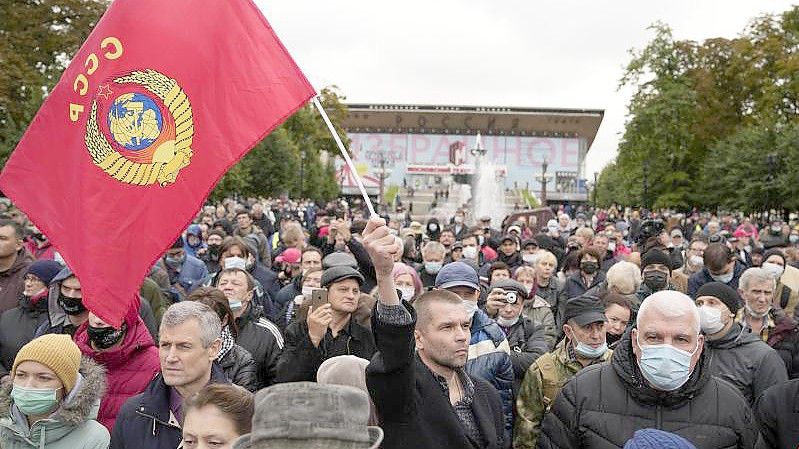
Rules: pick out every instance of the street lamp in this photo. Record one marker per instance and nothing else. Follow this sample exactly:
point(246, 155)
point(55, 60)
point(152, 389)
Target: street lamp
point(543, 179)
point(596, 185)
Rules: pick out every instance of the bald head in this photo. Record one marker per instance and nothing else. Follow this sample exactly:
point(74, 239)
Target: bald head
point(669, 304)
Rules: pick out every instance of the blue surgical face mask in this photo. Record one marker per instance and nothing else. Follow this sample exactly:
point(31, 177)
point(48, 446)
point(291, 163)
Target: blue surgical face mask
point(664, 366)
point(723, 278)
point(589, 351)
point(235, 304)
point(34, 401)
point(432, 267)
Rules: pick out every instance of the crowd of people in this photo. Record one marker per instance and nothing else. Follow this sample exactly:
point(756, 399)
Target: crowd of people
point(273, 323)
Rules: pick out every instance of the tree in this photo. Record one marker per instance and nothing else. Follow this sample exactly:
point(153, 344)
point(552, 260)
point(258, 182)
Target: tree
point(710, 124)
point(36, 39)
point(290, 160)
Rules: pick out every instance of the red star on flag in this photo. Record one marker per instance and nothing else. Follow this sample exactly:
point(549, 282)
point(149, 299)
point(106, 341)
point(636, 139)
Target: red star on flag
point(105, 91)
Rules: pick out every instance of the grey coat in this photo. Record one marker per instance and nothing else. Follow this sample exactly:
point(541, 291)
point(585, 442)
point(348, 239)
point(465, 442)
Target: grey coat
point(72, 426)
point(744, 360)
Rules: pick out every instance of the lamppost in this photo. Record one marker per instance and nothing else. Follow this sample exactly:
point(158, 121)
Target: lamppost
point(596, 185)
point(771, 161)
point(383, 174)
point(646, 183)
point(543, 179)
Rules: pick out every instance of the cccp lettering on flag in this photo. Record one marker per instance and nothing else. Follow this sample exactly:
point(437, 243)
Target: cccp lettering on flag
point(159, 102)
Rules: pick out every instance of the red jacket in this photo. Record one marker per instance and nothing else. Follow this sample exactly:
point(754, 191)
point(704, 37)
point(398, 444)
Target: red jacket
point(130, 366)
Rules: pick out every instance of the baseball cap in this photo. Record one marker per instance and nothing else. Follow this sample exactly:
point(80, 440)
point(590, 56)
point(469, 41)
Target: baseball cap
point(457, 274)
point(290, 255)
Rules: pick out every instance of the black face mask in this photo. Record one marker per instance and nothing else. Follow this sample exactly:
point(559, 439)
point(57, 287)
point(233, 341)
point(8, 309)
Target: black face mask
point(611, 338)
point(71, 306)
point(105, 337)
point(589, 267)
point(656, 280)
point(213, 252)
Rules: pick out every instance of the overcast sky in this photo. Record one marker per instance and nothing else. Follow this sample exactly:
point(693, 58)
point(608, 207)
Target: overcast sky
point(567, 53)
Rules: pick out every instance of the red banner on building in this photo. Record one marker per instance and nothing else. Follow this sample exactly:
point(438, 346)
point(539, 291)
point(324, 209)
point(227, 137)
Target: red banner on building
point(159, 102)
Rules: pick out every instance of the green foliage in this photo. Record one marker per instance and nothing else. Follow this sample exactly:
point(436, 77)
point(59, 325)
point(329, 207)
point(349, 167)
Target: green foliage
point(296, 159)
point(37, 37)
point(705, 116)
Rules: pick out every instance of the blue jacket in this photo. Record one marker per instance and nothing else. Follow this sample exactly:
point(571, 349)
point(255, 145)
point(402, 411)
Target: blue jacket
point(702, 277)
point(145, 421)
point(193, 273)
point(489, 359)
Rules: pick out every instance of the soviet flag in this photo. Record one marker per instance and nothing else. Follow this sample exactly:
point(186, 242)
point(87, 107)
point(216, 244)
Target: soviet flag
point(159, 102)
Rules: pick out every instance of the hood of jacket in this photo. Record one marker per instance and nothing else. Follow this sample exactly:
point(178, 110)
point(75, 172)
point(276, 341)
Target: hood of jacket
point(625, 364)
point(55, 311)
point(735, 337)
point(137, 338)
point(79, 406)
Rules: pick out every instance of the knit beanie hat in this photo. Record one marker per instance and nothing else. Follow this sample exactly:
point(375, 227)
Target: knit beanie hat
point(45, 270)
point(55, 351)
point(657, 439)
point(723, 293)
point(655, 256)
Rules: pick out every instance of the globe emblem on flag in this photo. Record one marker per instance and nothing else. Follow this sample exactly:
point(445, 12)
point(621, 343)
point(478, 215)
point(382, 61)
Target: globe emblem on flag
point(141, 128)
point(135, 121)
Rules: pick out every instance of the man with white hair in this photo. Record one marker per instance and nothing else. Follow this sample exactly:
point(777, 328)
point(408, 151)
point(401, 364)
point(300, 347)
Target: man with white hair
point(658, 377)
point(761, 318)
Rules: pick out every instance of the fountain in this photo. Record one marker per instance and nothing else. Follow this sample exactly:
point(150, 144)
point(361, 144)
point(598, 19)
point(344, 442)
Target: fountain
point(488, 193)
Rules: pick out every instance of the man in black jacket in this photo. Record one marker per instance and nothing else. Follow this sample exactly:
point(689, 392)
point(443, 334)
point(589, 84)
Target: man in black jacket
point(659, 376)
point(328, 330)
point(739, 357)
point(423, 396)
point(259, 336)
point(777, 412)
point(189, 344)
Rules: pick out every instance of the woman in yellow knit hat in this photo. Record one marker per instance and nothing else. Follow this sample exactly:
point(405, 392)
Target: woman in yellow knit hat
point(52, 398)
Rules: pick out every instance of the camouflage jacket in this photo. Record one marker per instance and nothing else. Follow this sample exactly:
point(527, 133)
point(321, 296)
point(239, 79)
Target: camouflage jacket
point(541, 384)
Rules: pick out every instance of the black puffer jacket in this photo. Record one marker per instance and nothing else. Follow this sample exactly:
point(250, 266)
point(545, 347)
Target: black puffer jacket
point(17, 327)
point(527, 343)
point(744, 360)
point(777, 412)
point(240, 368)
point(603, 405)
point(263, 340)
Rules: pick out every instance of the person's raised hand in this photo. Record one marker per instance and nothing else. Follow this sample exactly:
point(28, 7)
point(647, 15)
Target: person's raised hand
point(381, 245)
point(318, 321)
point(344, 230)
point(495, 301)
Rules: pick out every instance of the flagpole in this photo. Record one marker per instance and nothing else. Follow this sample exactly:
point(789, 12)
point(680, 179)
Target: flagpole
point(346, 155)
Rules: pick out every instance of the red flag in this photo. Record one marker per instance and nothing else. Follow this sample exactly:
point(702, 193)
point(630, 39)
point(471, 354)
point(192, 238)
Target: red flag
point(159, 102)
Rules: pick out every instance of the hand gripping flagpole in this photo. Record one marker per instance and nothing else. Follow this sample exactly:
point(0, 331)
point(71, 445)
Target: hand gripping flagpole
point(346, 155)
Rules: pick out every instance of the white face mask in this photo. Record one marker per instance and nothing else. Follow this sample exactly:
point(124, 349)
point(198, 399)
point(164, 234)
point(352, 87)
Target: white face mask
point(407, 293)
point(697, 261)
point(235, 262)
point(507, 322)
point(307, 290)
point(773, 269)
point(710, 320)
point(471, 307)
point(529, 258)
point(458, 219)
point(470, 252)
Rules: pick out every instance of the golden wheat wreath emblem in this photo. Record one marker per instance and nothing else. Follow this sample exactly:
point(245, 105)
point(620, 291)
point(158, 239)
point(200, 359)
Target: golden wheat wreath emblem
point(141, 132)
